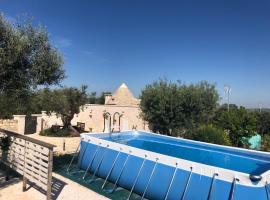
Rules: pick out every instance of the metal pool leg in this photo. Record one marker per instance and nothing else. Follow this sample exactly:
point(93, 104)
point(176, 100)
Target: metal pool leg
point(73, 157)
point(233, 188)
point(267, 190)
point(79, 161)
point(148, 182)
point(169, 188)
point(211, 186)
point(136, 179)
point(111, 169)
point(99, 164)
point(121, 171)
point(90, 163)
point(187, 184)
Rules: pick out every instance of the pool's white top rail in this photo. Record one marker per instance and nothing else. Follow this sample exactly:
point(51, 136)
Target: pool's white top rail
point(199, 168)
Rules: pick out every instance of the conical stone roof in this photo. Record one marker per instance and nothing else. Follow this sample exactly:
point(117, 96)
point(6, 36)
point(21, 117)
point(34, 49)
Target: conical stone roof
point(122, 97)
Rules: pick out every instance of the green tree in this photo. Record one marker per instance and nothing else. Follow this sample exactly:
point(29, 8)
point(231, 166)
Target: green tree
point(239, 122)
point(263, 122)
point(198, 103)
point(101, 99)
point(263, 128)
point(265, 143)
point(27, 58)
point(65, 102)
point(210, 134)
point(160, 105)
point(92, 98)
point(16, 103)
point(170, 107)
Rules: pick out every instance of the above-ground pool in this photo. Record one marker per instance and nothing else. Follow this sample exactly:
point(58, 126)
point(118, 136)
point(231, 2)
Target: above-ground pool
point(162, 167)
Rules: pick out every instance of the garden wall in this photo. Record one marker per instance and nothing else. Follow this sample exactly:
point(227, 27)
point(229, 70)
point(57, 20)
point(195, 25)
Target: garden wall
point(9, 124)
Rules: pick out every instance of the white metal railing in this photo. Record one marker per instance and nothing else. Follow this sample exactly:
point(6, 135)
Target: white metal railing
point(31, 158)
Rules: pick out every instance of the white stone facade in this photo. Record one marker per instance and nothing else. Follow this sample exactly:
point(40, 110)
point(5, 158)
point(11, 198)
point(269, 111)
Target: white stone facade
point(120, 112)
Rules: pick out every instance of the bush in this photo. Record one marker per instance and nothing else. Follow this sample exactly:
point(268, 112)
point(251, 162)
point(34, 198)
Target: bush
point(59, 133)
point(5, 143)
point(265, 143)
point(210, 134)
point(239, 122)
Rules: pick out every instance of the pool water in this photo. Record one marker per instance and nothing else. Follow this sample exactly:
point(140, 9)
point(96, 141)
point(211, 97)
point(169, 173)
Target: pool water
point(236, 159)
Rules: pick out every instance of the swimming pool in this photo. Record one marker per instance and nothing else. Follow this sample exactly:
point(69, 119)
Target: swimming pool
point(162, 167)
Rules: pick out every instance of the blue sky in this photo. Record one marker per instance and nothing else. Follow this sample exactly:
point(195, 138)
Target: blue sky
point(106, 42)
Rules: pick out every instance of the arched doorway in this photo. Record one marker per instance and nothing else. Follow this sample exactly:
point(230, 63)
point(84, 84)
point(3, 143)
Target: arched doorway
point(107, 122)
point(117, 121)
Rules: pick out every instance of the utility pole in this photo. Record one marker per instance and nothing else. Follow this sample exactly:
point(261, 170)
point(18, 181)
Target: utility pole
point(228, 89)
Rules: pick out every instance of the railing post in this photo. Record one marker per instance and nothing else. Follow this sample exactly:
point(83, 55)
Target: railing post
point(49, 185)
point(24, 184)
point(24, 158)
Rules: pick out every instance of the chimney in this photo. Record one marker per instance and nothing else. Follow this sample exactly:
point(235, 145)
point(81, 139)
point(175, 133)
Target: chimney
point(108, 97)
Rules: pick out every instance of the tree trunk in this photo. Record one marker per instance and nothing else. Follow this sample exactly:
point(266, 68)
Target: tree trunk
point(66, 119)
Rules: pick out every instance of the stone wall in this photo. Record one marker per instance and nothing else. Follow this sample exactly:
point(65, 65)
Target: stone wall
point(49, 120)
point(93, 117)
point(9, 124)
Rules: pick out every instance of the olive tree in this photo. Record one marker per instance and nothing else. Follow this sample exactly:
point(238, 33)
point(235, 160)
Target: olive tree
point(65, 102)
point(172, 107)
point(27, 57)
point(27, 60)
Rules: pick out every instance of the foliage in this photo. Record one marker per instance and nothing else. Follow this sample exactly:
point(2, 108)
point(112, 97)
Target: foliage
point(60, 133)
point(94, 99)
point(169, 107)
point(5, 143)
point(161, 106)
point(27, 60)
point(27, 57)
point(265, 143)
point(210, 134)
point(16, 103)
point(65, 102)
point(263, 122)
point(239, 122)
point(198, 102)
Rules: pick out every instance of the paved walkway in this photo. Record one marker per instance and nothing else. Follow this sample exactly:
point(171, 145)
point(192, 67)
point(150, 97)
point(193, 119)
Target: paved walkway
point(71, 143)
point(63, 189)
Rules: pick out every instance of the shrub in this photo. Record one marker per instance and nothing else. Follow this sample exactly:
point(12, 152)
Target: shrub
point(239, 122)
point(60, 133)
point(5, 143)
point(210, 134)
point(265, 143)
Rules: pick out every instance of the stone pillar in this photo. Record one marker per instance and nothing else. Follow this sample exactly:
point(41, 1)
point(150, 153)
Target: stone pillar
point(21, 123)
